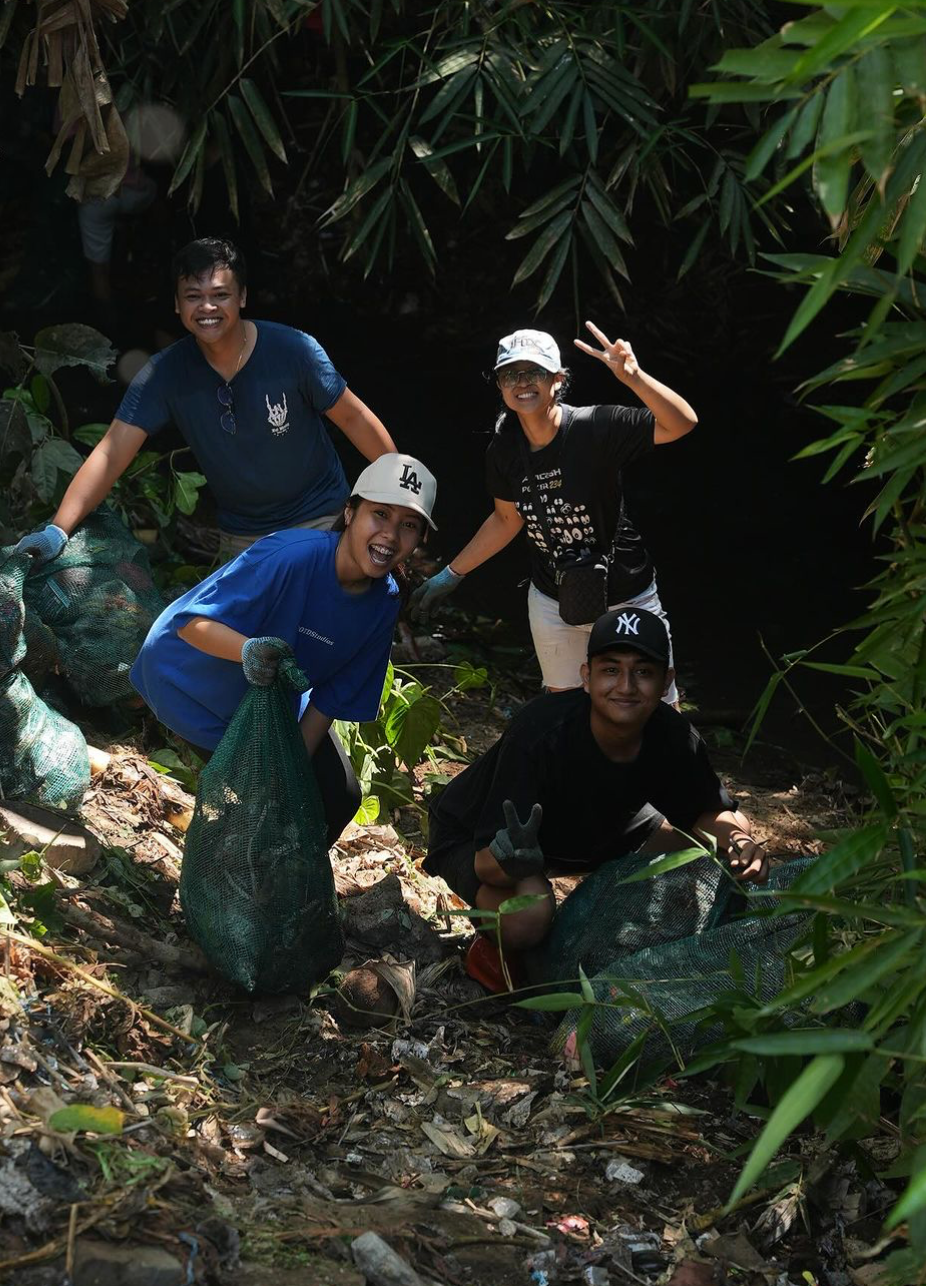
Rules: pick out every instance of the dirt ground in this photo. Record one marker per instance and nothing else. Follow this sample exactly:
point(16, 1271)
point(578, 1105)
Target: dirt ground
point(254, 1141)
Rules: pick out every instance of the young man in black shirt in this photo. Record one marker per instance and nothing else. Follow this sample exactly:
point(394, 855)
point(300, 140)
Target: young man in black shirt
point(582, 777)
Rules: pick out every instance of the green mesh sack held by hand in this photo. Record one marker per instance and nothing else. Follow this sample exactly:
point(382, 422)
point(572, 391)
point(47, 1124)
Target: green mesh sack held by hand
point(43, 757)
point(256, 885)
point(99, 600)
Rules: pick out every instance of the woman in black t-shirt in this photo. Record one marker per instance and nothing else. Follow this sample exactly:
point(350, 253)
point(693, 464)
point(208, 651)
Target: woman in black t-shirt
point(566, 461)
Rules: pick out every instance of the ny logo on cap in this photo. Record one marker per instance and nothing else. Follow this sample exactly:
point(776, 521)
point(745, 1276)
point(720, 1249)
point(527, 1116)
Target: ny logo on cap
point(626, 624)
point(409, 479)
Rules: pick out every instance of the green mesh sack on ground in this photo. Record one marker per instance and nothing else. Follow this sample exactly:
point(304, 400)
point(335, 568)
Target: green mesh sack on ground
point(43, 757)
point(99, 600)
point(675, 943)
point(256, 885)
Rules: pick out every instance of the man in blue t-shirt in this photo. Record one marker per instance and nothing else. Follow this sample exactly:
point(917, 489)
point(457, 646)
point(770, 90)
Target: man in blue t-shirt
point(248, 397)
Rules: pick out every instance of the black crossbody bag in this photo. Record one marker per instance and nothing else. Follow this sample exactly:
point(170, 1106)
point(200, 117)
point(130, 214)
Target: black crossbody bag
point(581, 574)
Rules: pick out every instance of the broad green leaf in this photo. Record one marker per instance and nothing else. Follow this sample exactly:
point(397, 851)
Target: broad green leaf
point(739, 92)
point(816, 1040)
point(542, 246)
point(50, 457)
point(875, 83)
point(187, 487)
point(845, 859)
point(252, 144)
point(368, 811)
point(512, 905)
point(73, 344)
point(913, 227)
point(467, 676)
point(83, 1116)
point(910, 65)
point(765, 63)
point(660, 865)
point(555, 1002)
point(410, 728)
point(263, 116)
point(805, 126)
point(797, 1103)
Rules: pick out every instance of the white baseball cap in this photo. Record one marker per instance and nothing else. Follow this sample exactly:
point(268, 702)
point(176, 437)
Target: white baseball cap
point(529, 345)
point(396, 479)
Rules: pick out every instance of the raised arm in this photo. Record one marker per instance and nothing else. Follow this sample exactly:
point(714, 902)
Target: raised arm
point(358, 423)
point(498, 530)
point(674, 416)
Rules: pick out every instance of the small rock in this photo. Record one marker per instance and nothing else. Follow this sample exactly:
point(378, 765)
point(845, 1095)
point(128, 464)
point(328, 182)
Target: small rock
point(379, 1263)
point(100, 1263)
point(622, 1172)
point(64, 844)
point(504, 1207)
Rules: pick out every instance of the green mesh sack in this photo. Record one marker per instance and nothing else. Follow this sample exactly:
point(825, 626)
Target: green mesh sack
point(256, 885)
point(43, 756)
point(41, 657)
point(99, 600)
point(675, 943)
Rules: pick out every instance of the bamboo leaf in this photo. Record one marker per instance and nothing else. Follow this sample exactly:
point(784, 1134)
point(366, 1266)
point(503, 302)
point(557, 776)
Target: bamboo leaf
point(554, 270)
point(831, 171)
point(591, 127)
point(805, 127)
point(671, 862)
point(190, 153)
point(852, 983)
point(449, 94)
point(608, 210)
point(369, 223)
point(604, 238)
point(913, 227)
point(796, 1104)
point(875, 82)
point(844, 860)
point(357, 190)
point(263, 116)
point(419, 228)
point(227, 157)
point(847, 34)
point(807, 1040)
point(913, 1197)
point(569, 185)
point(251, 142)
point(568, 127)
point(555, 1002)
point(768, 145)
point(694, 249)
point(438, 169)
point(542, 246)
point(878, 784)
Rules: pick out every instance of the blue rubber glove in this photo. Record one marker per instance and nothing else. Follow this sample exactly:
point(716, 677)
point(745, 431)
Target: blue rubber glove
point(515, 846)
point(261, 659)
point(43, 545)
point(427, 595)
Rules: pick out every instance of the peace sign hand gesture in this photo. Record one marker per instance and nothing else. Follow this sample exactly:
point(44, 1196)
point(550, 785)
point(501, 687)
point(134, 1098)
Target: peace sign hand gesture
point(617, 355)
point(515, 845)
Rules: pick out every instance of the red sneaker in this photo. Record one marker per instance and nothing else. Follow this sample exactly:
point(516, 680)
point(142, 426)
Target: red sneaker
point(484, 963)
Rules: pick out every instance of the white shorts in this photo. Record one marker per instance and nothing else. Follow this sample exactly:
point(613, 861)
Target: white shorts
point(562, 649)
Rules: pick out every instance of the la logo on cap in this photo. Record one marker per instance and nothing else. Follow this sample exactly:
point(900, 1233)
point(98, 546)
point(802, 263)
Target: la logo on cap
point(627, 624)
point(409, 479)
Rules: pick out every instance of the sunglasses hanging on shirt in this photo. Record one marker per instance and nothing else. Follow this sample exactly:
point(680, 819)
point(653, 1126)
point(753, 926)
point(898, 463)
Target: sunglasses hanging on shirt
point(227, 399)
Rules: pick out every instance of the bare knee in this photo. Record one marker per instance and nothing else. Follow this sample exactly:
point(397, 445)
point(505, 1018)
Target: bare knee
point(524, 928)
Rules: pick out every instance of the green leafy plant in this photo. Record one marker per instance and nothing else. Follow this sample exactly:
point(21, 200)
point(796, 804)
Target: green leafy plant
point(408, 730)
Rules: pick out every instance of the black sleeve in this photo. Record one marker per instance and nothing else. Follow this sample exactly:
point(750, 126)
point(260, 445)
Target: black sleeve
point(502, 481)
point(516, 777)
point(629, 431)
point(686, 785)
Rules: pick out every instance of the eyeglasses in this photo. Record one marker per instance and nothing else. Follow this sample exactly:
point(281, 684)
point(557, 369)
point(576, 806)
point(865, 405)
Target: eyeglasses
point(530, 375)
point(227, 399)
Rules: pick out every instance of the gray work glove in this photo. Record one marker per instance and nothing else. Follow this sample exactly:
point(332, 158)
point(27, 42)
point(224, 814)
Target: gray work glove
point(261, 659)
point(515, 846)
point(43, 545)
point(434, 589)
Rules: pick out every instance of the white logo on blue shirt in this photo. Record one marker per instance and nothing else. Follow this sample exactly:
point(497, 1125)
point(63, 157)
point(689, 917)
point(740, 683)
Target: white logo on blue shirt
point(276, 416)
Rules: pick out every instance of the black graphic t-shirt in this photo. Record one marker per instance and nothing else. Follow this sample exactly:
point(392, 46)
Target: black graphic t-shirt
point(578, 481)
point(548, 755)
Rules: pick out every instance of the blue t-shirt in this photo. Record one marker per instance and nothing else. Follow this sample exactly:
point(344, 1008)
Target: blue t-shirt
point(284, 586)
point(279, 467)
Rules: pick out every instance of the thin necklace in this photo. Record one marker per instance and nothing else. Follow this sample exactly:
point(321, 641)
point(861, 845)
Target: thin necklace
point(241, 354)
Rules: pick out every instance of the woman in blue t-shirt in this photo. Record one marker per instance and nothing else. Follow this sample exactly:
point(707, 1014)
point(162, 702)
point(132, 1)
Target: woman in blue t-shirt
point(328, 598)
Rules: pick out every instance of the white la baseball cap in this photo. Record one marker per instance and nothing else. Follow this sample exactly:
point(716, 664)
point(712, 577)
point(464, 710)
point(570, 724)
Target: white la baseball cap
point(396, 479)
point(529, 345)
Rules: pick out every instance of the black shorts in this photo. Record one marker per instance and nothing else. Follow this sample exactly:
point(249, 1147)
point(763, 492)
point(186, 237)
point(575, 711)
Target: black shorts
point(454, 859)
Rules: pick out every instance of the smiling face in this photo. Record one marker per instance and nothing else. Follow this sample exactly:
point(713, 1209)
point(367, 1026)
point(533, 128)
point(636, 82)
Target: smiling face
point(526, 387)
point(377, 536)
point(625, 688)
point(209, 306)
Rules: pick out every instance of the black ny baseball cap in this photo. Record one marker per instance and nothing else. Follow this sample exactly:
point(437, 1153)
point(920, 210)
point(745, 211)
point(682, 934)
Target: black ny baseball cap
point(630, 627)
